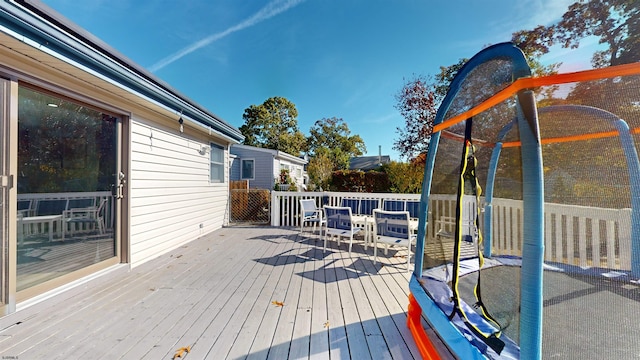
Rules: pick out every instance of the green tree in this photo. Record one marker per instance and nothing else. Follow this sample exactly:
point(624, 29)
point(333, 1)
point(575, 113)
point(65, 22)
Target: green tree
point(331, 137)
point(273, 125)
point(319, 169)
point(615, 23)
point(405, 178)
point(529, 42)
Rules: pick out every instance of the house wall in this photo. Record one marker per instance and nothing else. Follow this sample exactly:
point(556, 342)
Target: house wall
point(172, 201)
point(169, 189)
point(293, 171)
point(234, 168)
point(263, 167)
point(168, 199)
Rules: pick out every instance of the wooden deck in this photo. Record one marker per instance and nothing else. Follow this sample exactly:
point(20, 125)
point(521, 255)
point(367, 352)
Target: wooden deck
point(241, 292)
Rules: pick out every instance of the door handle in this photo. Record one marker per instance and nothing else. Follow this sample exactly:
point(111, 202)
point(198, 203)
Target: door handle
point(121, 182)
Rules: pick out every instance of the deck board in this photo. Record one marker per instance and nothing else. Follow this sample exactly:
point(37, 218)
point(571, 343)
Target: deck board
point(319, 339)
point(356, 336)
point(273, 267)
point(215, 294)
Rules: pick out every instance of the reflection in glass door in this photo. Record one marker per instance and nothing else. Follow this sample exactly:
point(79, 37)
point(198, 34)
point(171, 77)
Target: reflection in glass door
point(66, 175)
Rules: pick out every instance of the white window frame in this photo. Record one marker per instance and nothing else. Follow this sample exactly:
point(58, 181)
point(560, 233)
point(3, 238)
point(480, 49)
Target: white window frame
point(214, 163)
point(253, 169)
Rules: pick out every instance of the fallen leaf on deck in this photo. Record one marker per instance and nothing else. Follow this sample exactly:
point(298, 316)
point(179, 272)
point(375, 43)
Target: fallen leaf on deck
point(180, 352)
point(178, 257)
point(326, 324)
point(277, 303)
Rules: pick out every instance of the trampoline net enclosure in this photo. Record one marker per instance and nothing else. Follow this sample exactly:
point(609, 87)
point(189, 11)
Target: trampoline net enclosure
point(473, 243)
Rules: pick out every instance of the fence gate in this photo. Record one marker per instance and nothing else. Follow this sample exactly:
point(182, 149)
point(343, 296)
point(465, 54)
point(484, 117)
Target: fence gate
point(250, 206)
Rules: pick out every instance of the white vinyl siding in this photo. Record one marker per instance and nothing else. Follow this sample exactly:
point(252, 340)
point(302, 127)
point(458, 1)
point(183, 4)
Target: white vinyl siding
point(172, 200)
point(295, 173)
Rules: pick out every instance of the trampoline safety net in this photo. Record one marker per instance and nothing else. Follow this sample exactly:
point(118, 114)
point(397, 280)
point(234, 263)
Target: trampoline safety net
point(474, 243)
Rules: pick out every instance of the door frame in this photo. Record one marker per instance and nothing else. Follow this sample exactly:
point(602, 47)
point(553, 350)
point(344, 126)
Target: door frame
point(10, 298)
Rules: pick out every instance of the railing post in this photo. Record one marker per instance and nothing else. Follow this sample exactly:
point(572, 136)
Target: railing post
point(275, 208)
point(625, 238)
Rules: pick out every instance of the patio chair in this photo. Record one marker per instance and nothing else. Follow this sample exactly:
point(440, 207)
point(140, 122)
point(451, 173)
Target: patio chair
point(394, 205)
point(392, 228)
point(352, 203)
point(24, 208)
point(339, 224)
point(84, 216)
point(309, 212)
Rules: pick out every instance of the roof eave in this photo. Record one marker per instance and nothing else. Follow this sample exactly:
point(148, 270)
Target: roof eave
point(43, 26)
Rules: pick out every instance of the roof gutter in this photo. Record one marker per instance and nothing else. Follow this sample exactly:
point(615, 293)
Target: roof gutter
point(41, 27)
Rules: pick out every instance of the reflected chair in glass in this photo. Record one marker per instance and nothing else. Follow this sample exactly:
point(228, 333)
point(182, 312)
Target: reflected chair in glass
point(309, 212)
point(81, 218)
point(339, 224)
point(392, 228)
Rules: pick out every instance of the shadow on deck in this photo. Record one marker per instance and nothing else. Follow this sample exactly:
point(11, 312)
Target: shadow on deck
point(250, 292)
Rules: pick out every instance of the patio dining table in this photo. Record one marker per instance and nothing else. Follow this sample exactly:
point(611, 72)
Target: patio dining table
point(367, 222)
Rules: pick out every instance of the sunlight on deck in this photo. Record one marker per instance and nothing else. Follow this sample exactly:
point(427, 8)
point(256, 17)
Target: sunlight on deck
point(250, 292)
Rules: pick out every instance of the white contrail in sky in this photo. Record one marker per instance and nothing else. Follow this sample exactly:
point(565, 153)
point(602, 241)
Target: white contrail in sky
point(270, 10)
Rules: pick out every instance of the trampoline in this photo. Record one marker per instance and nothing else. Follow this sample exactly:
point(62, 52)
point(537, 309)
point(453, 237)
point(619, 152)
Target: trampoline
point(529, 235)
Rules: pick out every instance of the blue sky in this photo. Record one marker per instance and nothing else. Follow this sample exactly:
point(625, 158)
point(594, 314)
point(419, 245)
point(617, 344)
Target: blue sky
point(331, 58)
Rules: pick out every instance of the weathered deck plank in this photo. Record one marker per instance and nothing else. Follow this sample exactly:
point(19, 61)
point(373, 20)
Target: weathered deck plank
point(356, 336)
point(276, 287)
point(262, 305)
point(301, 338)
point(319, 340)
point(282, 341)
point(215, 295)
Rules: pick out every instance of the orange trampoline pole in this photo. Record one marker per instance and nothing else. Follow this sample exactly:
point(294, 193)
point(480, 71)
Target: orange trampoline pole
point(414, 323)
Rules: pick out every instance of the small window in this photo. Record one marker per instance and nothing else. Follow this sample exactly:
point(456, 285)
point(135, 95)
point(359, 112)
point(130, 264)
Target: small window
point(217, 164)
point(247, 172)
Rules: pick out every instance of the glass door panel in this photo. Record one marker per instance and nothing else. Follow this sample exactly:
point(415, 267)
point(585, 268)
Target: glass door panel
point(66, 175)
point(5, 186)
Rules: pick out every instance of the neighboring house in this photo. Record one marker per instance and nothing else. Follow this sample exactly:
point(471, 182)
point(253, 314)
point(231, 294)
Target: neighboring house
point(261, 167)
point(83, 126)
point(366, 163)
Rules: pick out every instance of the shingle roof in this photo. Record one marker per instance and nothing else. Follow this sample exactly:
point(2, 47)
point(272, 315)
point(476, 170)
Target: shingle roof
point(366, 163)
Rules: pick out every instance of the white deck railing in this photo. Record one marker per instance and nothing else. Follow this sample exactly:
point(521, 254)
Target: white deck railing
point(576, 235)
point(33, 199)
point(285, 206)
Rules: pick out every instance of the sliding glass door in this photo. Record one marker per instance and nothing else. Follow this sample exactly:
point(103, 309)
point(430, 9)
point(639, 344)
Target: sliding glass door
point(5, 187)
point(66, 177)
